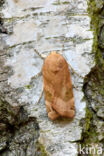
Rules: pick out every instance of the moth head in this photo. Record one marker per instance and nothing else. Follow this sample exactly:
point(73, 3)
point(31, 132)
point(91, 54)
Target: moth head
point(57, 64)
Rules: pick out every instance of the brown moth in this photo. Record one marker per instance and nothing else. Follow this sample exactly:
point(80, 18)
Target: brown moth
point(57, 85)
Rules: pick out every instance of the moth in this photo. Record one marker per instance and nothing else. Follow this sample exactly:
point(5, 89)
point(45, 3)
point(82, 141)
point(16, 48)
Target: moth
point(57, 87)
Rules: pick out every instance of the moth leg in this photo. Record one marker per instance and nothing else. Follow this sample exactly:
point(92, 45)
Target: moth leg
point(73, 86)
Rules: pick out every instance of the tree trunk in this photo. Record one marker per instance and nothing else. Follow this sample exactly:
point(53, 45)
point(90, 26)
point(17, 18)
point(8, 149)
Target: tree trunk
point(29, 31)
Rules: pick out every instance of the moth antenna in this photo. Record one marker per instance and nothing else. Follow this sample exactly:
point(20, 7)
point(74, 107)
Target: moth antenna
point(37, 52)
point(73, 71)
